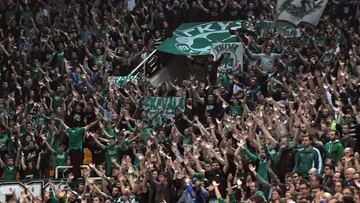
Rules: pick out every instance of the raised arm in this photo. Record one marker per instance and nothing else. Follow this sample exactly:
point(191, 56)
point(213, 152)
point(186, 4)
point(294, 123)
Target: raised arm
point(23, 166)
point(98, 143)
point(52, 151)
point(39, 160)
point(88, 127)
point(1, 163)
point(63, 123)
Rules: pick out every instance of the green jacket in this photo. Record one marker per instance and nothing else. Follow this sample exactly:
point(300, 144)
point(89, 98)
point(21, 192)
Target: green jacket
point(262, 164)
point(231, 199)
point(334, 150)
point(307, 159)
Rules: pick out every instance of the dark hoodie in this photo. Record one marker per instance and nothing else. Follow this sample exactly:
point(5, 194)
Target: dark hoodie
point(285, 162)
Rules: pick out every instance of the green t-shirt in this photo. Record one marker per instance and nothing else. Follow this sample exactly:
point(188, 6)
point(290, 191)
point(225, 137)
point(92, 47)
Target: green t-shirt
point(164, 140)
point(235, 110)
point(99, 60)
point(113, 151)
point(145, 133)
point(9, 173)
point(61, 158)
point(27, 16)
point(111, 132)
point(186, 139)
point(57, 100)
point(76, 138)
point(54, 138)
point(126, 62)
point(59, 58)
point(4, 141)
point(36, 73)
point(322, 41)
point(225, 80)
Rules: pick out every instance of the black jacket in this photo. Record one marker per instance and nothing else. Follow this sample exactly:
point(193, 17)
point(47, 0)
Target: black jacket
point(285, 162)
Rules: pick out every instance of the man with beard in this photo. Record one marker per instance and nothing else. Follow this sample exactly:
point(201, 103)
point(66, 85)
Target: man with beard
point(307, 157)
point(334, 150)
point(328, 175)
point(217, 175)
point(162, 187)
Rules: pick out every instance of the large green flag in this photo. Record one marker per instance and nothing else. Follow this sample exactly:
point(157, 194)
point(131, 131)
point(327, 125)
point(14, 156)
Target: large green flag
point(196, 38)
point(298, 11)
point(166, 105)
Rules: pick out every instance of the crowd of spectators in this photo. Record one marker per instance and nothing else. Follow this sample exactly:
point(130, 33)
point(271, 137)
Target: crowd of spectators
point(284, 129)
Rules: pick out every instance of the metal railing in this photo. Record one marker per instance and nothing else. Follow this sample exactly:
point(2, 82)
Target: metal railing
point(66, 167)
point(147, 65)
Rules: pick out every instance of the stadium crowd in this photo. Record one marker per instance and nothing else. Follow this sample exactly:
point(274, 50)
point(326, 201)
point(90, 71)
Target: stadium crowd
point(284, 129)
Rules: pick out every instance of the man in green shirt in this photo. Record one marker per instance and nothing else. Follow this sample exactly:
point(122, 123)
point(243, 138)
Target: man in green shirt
point(60, 154)
point(4, 143)
point(112, 151)
point(262, 160)
point(9, 170)
point(307, 157)
point(76, 135)
point(334, 150)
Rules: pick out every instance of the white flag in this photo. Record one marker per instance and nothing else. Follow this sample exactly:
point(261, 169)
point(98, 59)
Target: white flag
point(233, 56)
point(300, 11)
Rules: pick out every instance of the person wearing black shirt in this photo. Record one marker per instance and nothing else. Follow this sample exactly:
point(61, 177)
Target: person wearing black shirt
point(210, 66)
point(219, 176)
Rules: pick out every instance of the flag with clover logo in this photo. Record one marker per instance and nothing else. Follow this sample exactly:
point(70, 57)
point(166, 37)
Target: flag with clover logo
point(300, 11)
point(233, 54)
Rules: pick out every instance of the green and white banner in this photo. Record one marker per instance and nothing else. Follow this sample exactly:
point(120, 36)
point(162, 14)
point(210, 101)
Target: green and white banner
point(122, 80)
point(233, 54)
point(300, 11)
point(196, 38)
point(166, 105)
point(282, 28)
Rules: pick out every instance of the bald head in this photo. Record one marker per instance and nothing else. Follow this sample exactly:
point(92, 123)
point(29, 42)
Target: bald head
point(313, 172)
point(349, 173)
point(348, 151)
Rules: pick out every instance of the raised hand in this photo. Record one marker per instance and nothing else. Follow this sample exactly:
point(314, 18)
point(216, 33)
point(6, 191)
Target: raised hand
point(252, 168)
point(215, 184)
point(230, 177)
point(92, 165)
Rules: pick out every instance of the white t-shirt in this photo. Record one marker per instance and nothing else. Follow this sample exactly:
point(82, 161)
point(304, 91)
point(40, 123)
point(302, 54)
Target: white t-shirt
point(267, 60)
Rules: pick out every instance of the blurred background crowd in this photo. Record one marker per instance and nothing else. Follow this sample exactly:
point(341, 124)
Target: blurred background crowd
point(285, 128)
